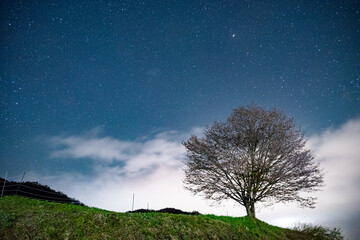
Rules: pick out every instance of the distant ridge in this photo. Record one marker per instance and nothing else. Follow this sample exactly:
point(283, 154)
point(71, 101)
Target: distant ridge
point(165, 210)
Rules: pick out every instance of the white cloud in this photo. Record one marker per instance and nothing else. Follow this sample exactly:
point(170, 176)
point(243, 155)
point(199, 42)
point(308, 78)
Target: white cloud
point(338, 152)
point(101, 149)
point(136, 156)
point(152, 169)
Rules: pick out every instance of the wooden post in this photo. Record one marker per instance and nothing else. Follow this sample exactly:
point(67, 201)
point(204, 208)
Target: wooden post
point(132, 209)
point(20, 184)
point(2, 192)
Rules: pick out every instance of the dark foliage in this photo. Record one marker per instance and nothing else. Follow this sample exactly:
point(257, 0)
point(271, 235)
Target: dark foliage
point(35, 190)
point(165, 210)
point(316, 232)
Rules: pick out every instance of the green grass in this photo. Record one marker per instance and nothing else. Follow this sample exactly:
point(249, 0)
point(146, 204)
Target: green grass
point(24, 218)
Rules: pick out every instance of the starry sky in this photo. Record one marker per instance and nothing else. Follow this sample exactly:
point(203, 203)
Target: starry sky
point(130, 77)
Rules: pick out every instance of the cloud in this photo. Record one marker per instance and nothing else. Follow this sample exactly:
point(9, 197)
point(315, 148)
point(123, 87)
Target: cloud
point(135, 156)
point(152, 169)
point(338, 152)
point(100, 149)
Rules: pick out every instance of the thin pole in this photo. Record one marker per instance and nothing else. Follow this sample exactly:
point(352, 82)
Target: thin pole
point(20, 183)
point(82, 191)
point(147, 206)
point(2, 192)
point(132, 209)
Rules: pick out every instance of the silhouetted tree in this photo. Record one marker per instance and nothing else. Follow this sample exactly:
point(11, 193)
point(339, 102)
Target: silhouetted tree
point(258, 155)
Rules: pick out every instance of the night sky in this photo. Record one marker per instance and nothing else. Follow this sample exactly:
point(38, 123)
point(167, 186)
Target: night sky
point(123, 77)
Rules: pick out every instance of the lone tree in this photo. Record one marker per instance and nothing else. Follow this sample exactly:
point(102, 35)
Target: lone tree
point(258, 155)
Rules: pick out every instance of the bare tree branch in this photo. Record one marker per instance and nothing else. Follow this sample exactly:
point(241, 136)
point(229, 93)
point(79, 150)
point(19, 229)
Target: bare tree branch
point(256, 156)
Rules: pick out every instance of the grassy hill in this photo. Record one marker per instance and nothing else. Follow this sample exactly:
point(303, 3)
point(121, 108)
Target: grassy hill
point(25, 218)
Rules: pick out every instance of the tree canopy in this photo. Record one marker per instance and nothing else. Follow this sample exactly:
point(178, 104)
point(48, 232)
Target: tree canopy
point(257, 155)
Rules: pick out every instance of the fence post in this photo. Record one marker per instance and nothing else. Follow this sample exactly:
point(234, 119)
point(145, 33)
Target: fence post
point(132, 208)
point(2, 192)
point(20, 184)
point(82, 191)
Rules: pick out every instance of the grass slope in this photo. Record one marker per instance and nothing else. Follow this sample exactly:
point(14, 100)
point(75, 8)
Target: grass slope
point(25, 218)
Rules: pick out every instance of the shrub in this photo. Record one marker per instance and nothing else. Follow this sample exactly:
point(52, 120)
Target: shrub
point(316, 232)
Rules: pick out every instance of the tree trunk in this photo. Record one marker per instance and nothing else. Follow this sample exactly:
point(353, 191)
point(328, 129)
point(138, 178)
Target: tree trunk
point(250, 209)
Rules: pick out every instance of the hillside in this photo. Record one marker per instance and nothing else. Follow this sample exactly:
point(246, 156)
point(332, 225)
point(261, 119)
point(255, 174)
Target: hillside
point(25, 218)
point(35, 190)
